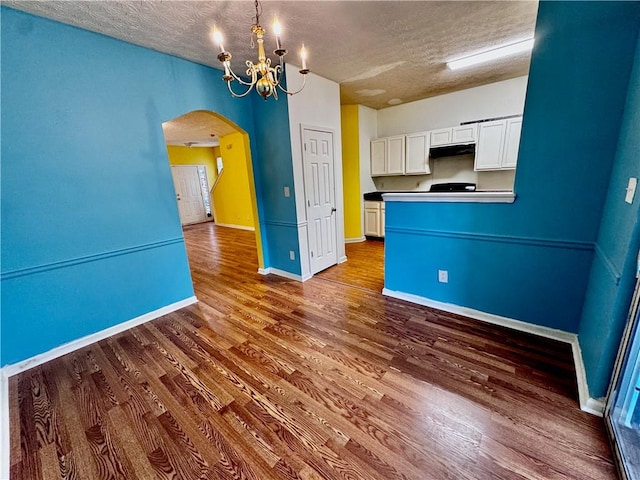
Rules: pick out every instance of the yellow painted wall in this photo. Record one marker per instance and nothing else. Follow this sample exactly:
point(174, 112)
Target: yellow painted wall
point(196, 156)
point(232, 195)
point(351, 171)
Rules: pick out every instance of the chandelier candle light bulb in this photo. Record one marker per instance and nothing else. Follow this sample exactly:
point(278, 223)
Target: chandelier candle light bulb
point(265, 78)
point(217, 37)
point(277, 30)
point(303, 57)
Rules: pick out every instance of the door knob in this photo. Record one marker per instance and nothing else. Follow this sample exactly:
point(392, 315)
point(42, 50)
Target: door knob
point(333, 209)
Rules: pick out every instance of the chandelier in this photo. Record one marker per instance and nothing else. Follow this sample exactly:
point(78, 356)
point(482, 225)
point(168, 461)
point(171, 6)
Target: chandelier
point(266, 79)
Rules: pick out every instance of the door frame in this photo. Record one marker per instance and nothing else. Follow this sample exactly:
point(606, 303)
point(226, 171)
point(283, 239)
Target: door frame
point(303, 226)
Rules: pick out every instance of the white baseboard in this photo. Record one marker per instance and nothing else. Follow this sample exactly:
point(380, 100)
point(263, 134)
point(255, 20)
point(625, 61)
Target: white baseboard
point(355, 240)
point(587, 404)
point(342, 259)
point(282, 273)
point(239, 227)
point(13, 369)
point(10, 370)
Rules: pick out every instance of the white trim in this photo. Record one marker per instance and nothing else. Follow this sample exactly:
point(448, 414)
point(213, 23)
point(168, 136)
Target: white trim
point(342, 259)
point(587, 404)
point(14, 369)
point(355, 240)
point(239, 227)
point(5, 468)
point(455, 197)
point(282, 273)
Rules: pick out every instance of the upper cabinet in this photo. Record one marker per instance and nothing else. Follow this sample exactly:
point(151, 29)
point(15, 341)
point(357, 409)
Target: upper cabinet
point(417, 154)
point(496, 147)
point(395, 155)
point(498, 143)
point(400, 155)
point(453, 135)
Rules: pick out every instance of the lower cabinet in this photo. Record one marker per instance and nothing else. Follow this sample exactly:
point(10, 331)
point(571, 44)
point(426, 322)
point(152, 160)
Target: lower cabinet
point(374, 219)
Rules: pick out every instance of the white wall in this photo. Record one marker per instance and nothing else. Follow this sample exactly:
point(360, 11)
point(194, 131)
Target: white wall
point(367, 131)
point(318, 105)
point(488, 101)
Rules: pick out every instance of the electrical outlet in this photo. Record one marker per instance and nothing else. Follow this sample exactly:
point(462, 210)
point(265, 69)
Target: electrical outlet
point(286, 191)
point(443, 276)
point(292, 255)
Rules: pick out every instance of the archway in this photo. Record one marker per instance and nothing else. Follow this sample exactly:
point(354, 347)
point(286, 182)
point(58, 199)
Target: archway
point(231, 187)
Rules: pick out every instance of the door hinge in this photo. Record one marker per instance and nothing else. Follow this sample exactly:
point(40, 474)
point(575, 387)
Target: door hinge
point(305, 147)
point(311, 254)
point(308, 203)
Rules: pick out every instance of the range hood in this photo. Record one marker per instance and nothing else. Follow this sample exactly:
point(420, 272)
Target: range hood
point(452, 150)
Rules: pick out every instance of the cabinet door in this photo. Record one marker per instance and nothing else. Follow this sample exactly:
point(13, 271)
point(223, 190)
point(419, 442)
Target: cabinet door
point(395, 155)
point(490, 146)
point(372, 222)
point(440, 137)
point(417, 154)
point(379, 157)
point(464, 133)
point(512, 142)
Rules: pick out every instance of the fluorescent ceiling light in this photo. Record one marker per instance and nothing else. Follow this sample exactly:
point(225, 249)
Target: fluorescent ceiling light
point(493, 54)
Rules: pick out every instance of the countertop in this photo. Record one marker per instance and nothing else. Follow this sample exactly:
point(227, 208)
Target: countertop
point(478, 196)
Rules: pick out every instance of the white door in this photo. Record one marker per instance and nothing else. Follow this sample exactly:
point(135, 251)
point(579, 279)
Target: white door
point(186, 182)
point(320, 196)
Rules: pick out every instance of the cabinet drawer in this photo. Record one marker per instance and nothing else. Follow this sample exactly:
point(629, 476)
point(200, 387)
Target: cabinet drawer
point(372, 205)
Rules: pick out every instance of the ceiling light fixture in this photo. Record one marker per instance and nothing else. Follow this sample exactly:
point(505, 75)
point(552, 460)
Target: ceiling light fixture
point(493, 54)
point(262, 75)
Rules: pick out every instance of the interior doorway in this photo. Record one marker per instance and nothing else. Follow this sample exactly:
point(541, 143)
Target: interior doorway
point(211, 165)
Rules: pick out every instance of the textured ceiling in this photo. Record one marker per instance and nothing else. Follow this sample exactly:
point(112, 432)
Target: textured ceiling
point(381, 52)
point(196, 128)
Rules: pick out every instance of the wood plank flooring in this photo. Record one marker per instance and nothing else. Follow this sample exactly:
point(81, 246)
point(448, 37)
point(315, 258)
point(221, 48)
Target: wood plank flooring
point(267, 378)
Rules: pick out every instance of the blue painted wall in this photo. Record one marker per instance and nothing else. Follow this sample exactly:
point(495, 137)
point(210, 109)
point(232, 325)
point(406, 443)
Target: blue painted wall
point(531, 260)
point(90, 230)
point(612, 275)
point(271, 119)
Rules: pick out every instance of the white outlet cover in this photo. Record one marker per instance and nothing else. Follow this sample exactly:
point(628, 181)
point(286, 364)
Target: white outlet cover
point(631, 190)
point(286, 191)
point(292, 255)
point(443, 276)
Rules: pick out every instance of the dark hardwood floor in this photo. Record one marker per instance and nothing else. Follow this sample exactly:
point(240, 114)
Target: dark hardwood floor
point(364, 267)
point(267, 378)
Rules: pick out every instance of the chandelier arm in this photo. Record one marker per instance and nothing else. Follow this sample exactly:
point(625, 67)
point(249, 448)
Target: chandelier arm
point(250, 71)
point(304, 82)
point(239, 95)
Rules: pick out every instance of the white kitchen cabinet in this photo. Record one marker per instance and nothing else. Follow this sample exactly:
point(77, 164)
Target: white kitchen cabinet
point(462, 134)
point(387, 156)
point(498, 142)
point(395, 155)
point(374, 219)
point(440, 137)
point(378, 157)
point(417, 154)
point(512, 142)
